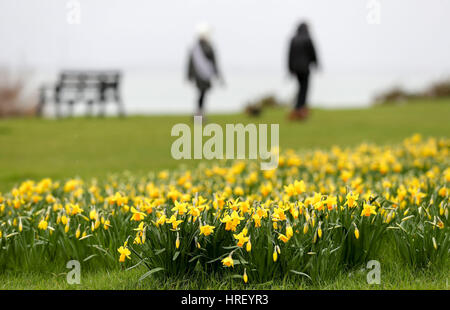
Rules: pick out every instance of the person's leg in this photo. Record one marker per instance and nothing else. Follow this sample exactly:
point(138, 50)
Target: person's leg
point(201, 99)
point(303, 80)
point(298, 103)
point(300, 111)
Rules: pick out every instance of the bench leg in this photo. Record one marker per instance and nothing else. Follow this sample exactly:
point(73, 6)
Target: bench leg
point(102, 104)
point(41, 102)
point(57, 98)
point(90, 104)
point(120, 106)
point(71, 104)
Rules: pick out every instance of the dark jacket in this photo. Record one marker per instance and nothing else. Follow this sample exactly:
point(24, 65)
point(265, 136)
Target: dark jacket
point(301, 52)
point(192, 75)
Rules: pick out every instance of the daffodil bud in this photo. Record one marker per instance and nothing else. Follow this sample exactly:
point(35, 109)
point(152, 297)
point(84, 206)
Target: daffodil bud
point(78, 232)
point(245, 277)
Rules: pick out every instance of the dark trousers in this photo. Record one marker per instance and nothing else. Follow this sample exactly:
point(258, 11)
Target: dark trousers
point(303, 79)
point(201, 98)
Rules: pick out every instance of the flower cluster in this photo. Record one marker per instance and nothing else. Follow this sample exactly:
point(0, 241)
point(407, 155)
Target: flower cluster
point(319, 212)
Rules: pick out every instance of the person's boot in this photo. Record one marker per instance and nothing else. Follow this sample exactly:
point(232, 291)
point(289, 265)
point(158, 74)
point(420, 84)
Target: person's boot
point(296, 114)
point(291, 115)
point(304, 112)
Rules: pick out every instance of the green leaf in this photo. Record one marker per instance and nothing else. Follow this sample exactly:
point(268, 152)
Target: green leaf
point(149, 273)
point(239, 262)
point(157, 252)
point(301, 274)
point(230, 247)
point(216, 259)
point(236, 276)
point(175, 255)
point(89, 257)
point(85, 237)
point(134, 266)
point(195, 257)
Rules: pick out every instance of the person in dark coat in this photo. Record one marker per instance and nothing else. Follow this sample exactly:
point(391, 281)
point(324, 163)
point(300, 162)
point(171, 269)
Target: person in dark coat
point(302, 55)
point(202, 66)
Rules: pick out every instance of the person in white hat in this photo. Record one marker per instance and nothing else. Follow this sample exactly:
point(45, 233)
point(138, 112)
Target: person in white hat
point(202, 65)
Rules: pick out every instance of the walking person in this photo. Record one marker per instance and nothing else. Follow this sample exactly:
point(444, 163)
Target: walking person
point(302, 55)
point(202, 66)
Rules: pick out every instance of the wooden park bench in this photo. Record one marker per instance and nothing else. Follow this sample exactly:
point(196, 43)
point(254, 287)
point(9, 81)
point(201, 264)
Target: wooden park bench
point(99, 87)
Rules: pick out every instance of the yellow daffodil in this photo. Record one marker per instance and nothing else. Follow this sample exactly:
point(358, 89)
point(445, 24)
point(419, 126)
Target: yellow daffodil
point(124, 253)
point(206, 230)
point(228, 261)
point(368, 210)
point(43, 224)
point(137, 215)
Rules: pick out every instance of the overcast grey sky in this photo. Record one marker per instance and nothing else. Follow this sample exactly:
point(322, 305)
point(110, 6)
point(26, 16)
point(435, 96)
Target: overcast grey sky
point(250, 35)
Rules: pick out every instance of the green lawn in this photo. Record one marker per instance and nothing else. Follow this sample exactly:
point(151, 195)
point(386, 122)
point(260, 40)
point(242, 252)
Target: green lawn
point(36, 148)
point(394, 275)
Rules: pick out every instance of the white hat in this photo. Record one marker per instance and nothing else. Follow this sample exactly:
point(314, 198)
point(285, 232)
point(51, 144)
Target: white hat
point(203, 30)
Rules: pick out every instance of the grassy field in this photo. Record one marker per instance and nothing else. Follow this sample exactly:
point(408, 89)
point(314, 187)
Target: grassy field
point(34, 149)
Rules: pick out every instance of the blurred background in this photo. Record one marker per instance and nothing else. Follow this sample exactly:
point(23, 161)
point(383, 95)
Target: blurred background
point(383, 75)
point(406, 49)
